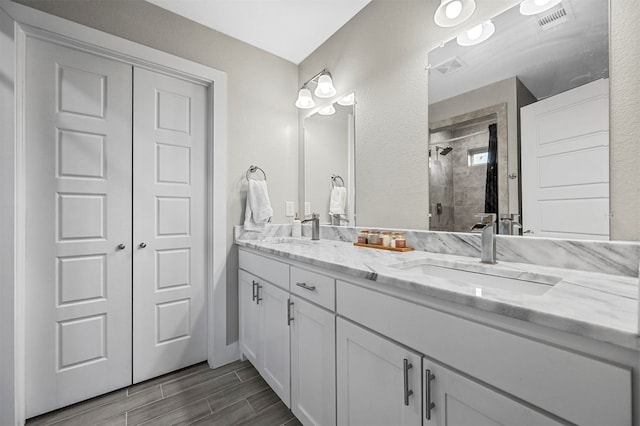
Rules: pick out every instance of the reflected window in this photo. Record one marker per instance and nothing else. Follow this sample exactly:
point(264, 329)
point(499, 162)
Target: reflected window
point(478, 156)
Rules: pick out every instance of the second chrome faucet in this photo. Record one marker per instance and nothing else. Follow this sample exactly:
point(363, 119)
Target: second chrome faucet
point(487, 228)
point(315, 226)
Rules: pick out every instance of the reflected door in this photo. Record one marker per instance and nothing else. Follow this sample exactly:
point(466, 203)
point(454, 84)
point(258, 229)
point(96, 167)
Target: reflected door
point(565, 164)
point(78, 226)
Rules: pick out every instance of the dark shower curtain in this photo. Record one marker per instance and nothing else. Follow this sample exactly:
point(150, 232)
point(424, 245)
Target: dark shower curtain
point(491, 188)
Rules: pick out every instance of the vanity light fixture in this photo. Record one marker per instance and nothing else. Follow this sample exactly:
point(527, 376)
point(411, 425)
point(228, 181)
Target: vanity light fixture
point(454, 12)
point(324, 89)
point(477, 34)
point(347, 100)
point(327, 110)
point(533, 7)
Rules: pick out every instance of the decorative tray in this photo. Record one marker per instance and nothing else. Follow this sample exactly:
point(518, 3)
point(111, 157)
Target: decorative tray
point(383, 247)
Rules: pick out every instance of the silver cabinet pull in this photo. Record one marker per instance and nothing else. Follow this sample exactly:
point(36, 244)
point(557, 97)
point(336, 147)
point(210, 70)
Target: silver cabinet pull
point(258, 298)
point(407, 392)
point(253, 291)
point(306, 287)
point(121, 246)
point(142, 245)
point(427, 394)
point(289, 305)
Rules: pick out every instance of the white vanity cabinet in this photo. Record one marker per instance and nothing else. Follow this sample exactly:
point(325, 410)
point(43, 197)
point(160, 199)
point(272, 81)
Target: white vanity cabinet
point(290, 336)
point(452, 399)
point(378, 381)
point(264, 322)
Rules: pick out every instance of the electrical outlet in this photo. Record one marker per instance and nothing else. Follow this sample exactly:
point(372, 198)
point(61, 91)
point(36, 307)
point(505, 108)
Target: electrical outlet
point(289, 210)
point(307, 208)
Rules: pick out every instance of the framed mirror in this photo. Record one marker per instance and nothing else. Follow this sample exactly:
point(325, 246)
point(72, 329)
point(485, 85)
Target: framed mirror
point(529, 85)
point(329, 146)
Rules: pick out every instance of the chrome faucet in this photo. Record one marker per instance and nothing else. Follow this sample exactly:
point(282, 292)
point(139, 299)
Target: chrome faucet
point(487, 227)
point(508, 222)
point(315, 226)
point(337, 219)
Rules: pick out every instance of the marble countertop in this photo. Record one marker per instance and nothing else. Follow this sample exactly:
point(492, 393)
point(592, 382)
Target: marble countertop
point(596, 305)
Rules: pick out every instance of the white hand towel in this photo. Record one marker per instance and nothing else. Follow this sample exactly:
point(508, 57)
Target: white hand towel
point(338, 201)
point(258, 208)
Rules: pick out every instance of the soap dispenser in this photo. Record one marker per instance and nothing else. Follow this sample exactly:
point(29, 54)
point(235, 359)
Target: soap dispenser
point(296, 227)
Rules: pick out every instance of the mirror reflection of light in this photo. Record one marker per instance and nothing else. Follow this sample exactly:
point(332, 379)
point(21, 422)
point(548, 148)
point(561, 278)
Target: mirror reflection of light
point(453, 9)
point(347, 100)
point(477, 34)
point(474, 32)
point(327, 110)
point(541, 2)
point(533, 7)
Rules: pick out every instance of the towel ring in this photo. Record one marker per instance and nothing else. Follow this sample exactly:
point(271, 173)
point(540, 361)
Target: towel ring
point(254, 169)
point(333, 180)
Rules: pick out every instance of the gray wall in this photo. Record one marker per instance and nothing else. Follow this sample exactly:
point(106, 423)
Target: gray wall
point(262, 120)
point(381, 54)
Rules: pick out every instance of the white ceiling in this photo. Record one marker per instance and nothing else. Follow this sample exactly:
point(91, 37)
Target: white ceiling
point(291, 29)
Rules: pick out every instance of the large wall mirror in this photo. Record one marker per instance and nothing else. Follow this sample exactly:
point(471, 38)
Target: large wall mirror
point(518, 123)
point(329, 146)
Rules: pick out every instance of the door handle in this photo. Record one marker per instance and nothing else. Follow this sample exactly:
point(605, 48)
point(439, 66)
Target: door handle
point(306, 287)
point(289, 305)
point(121, 247)
point(407, 392)
point(142, 245)
point(427, 394)
point(253, 290)
point(258, 298)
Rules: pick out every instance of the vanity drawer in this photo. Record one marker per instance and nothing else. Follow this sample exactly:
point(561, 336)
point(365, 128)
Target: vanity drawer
point(314, 287)
point(268, 269)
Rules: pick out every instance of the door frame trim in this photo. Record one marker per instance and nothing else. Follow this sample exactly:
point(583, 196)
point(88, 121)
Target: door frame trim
point(28, 22)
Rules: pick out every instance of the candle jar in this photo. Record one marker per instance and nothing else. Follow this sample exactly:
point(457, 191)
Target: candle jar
point(363, 236)
point(400, 240)
point(385, 238)
point(374, 238)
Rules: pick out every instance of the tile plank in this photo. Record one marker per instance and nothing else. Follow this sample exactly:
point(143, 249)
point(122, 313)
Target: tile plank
point(230, 415)
point(183, 383)
point(183, 415)
point(156, 381)
point(234, 394)
point(72, 410)
point(112, 409)
point(247, 373)
point(263, 399)
point(276, 414)
point(167, 404)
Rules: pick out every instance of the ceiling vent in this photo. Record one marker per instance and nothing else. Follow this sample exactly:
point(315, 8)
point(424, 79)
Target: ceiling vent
point(553, 18)
point(449, 66)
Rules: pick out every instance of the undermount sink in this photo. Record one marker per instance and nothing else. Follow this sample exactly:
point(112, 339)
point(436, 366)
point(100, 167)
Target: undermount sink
point(491, 278)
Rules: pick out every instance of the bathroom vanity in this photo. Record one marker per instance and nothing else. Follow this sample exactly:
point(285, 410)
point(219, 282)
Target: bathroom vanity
point(350, 336)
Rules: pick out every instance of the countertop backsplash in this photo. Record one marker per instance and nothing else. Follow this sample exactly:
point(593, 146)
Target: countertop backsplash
point(609, 257)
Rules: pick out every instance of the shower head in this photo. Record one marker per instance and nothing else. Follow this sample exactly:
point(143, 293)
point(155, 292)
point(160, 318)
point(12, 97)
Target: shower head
point(446, 150)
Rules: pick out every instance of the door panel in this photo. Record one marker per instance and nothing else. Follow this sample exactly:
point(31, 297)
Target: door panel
point(249, 310)
point(78, 193)
point(169, 213)
point(565, 164)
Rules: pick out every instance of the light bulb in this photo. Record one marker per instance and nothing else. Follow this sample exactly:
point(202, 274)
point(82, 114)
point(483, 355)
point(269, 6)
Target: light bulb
point(347, 100)
point(305, 101)
point(540, 2)
point(327, 110)
point(453, 9)
point(325, 87)
point(474, 32)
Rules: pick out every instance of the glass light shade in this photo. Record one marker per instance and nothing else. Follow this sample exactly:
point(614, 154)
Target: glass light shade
point(454, 12)
point(325, 87)
point(327, 110)
point(477, 34)
point(347, 100)
point(533, 7)
point(305, 101)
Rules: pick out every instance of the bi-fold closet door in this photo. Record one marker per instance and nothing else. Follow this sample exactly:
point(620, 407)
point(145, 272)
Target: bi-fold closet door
point(115, 240)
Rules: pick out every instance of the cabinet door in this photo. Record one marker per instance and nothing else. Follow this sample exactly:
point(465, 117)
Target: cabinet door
point(456, 400)
point(373, 385)
point(274, 357)
point(313, 363)
point(249, 317)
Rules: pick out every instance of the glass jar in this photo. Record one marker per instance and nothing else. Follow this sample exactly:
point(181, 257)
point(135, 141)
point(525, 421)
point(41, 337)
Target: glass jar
point(363, 236)
point(400, 240)
point(374, 238)
point(385, 238)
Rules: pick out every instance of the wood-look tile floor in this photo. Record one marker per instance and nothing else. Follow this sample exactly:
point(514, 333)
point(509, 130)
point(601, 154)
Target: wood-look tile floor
point(234, 394)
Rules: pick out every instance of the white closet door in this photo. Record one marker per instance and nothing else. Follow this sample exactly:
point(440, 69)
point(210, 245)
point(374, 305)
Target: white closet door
point(169, 216)
point(78, 196)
